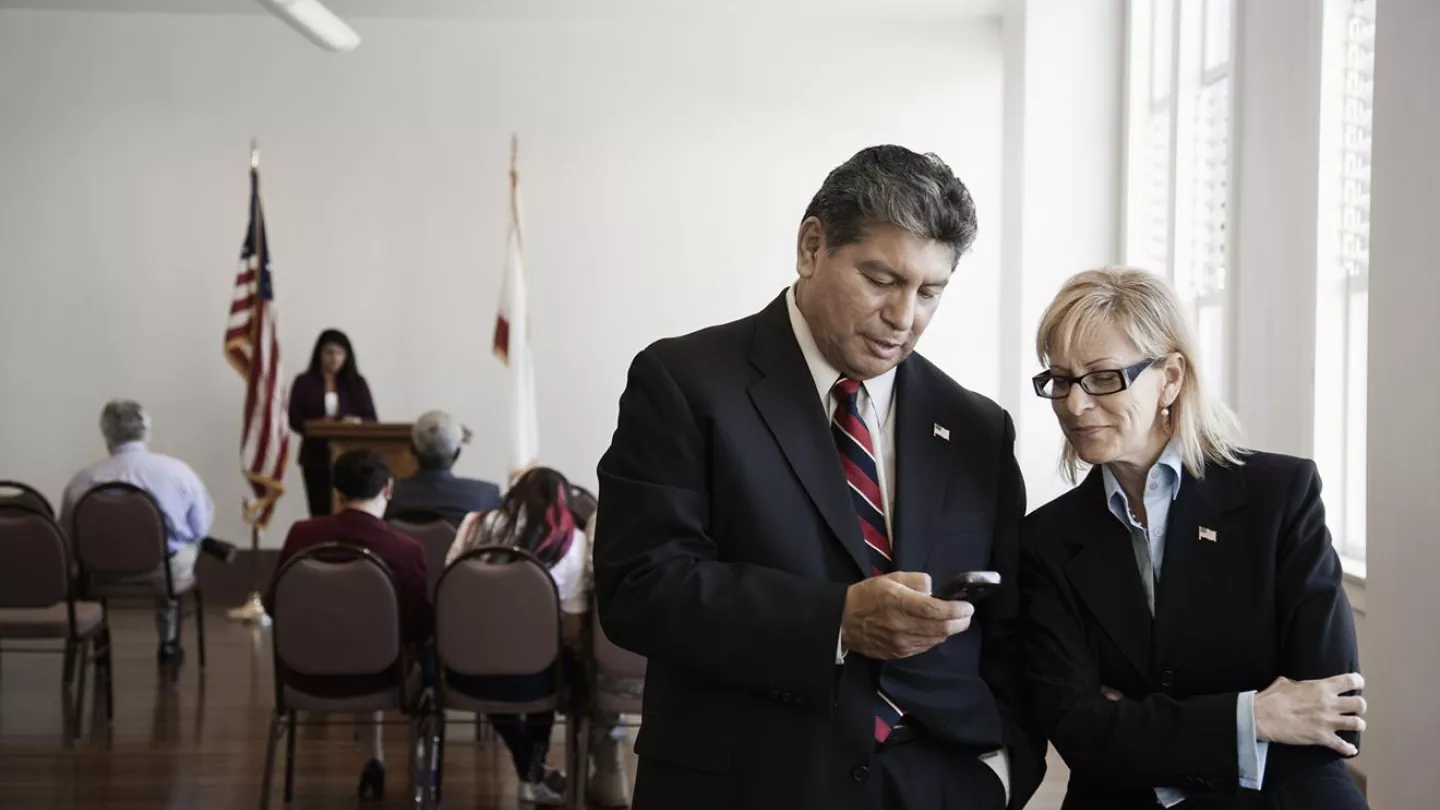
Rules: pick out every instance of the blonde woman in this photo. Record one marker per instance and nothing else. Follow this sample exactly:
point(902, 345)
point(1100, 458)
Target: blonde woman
point(1188, 639)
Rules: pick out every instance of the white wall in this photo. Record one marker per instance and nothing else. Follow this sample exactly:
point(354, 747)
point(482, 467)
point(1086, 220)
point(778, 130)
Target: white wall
point(665, 168)
point(1063, 112)
point(1404, 437)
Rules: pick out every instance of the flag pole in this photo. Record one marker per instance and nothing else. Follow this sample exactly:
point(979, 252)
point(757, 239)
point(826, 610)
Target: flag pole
point(253, 610)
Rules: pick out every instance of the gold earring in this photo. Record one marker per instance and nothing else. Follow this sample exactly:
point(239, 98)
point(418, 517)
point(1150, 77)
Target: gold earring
point(1165, 415)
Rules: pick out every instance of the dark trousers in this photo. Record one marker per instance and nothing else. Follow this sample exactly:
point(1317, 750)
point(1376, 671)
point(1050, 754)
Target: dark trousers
point(317, 489)
point(528, 735)
point(528, 738)
point(926, 775)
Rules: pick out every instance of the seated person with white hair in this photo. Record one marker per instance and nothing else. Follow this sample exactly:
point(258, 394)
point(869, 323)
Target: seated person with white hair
point(436, 439)
point(179, 492)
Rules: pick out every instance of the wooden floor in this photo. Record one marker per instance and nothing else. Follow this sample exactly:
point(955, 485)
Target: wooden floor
point(199, 741)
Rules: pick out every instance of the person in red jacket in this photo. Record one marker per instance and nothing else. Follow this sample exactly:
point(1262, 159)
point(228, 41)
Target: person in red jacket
point(363, 480)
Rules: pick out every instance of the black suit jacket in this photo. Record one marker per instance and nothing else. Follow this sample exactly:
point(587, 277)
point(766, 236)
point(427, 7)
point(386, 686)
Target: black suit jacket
point(442, 492)
point(727, 544)
point(1264, 599)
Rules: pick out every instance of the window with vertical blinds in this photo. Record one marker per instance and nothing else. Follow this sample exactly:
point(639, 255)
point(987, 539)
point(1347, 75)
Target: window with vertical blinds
point(1343, 289)
point(1178, 161)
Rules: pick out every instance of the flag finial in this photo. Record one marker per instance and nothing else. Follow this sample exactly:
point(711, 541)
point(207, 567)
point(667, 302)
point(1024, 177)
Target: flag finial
point(254, 154)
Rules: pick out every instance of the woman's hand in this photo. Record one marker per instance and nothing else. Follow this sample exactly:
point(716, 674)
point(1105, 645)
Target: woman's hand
point(352, 420)
point(1311, 712)
point(1112, 695)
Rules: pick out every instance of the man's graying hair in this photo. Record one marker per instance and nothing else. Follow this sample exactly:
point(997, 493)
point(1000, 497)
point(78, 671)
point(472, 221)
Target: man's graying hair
point(917, 193)
point(124, 421)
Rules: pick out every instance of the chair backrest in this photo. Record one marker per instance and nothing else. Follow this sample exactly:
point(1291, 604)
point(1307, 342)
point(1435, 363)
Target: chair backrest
point(611, 659)
point(14, 493)
point(118, 530)
point(497, 612)
point(436, 536)
point(582, 504)
point(416, 515)
point(34, 568)
point(337, 612)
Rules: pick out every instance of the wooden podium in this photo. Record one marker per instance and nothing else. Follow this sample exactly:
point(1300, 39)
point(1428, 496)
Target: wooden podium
point(389, 439)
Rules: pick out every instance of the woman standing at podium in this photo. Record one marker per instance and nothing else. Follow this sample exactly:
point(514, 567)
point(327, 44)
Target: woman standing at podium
point(333, 389)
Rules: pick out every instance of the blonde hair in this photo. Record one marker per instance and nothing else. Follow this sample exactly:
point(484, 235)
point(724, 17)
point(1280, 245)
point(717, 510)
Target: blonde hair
point(1147, 311)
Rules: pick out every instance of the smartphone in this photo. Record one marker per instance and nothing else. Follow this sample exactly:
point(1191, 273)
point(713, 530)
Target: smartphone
point(970, 586)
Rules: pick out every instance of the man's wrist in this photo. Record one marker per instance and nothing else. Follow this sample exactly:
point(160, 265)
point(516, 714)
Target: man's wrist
point(1257, 708)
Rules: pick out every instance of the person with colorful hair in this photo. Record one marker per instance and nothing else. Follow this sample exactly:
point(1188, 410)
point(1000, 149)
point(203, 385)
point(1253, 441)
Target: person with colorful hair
point(535, 515)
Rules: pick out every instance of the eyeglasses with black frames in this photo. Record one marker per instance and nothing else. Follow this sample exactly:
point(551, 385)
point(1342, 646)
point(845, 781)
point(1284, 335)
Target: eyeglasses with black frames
point(1102, 382)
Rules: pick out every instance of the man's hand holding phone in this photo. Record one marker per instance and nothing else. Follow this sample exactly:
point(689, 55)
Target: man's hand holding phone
point(894, 616)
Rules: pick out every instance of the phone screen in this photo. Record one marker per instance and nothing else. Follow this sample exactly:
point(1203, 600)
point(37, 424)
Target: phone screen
point(970, 586)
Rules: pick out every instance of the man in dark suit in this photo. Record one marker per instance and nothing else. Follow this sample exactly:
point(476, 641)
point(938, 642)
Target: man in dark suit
point(436, 439)
point(780, 495)
point(363, 479)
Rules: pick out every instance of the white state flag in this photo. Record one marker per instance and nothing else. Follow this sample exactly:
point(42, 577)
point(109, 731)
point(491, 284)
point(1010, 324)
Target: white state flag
point(512, 339)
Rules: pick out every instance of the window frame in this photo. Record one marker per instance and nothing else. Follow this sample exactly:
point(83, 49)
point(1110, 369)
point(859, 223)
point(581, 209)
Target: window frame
point(1337, 291)
point(1189, 76)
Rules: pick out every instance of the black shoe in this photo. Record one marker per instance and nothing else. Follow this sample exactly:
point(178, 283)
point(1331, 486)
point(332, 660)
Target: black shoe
point(219, 549)
point(170, 653)
point(372, 781)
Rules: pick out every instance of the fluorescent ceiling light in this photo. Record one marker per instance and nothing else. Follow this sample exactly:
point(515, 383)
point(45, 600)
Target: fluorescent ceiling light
point(318, 23)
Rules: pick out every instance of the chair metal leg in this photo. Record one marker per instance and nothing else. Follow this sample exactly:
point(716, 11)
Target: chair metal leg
point(418, 761)
point(84, 653)
point(67, 674)
point(276, 729)
point(67, 695)
point(289, 758)
point(109, 673)
point(439, 754)
point(200, 623)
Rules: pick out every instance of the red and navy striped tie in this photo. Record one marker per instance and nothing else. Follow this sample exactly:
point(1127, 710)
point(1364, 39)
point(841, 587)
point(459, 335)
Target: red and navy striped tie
point(862, 474)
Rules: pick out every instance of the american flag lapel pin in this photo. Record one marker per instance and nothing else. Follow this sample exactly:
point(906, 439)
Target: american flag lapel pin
point(1207, 534)
point(942, 431)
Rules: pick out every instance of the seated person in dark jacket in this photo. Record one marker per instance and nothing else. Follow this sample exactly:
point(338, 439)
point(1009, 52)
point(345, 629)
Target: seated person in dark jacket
point(436, 439)
point(363, 480)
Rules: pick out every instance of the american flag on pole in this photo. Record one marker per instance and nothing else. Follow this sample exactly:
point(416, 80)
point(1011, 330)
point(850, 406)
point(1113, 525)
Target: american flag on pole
point(253, 348)
point(512, 337)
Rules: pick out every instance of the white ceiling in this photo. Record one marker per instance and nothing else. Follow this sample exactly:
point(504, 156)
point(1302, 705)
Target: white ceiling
point(508, 9)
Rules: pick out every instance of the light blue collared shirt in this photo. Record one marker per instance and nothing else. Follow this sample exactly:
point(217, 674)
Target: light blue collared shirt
point(1162, 487)
point(176, 488)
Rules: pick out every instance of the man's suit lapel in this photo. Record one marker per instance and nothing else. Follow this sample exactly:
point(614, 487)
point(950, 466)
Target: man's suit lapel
point(922, 466)
point(1193, 568)
point(1105, 576)
point(788, 402)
